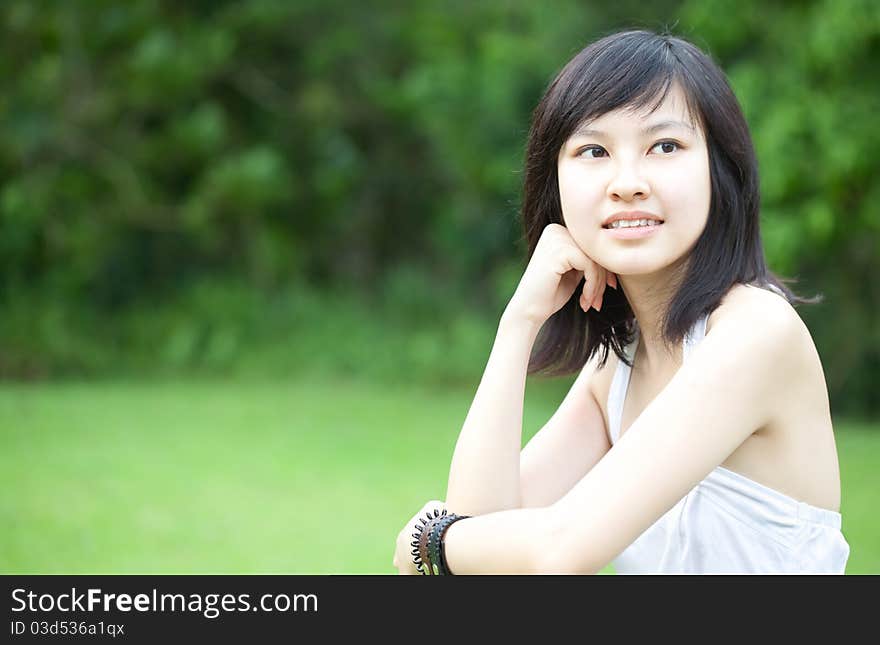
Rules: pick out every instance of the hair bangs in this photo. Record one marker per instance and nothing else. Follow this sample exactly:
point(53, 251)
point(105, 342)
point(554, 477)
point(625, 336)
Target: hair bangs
point(627, 74)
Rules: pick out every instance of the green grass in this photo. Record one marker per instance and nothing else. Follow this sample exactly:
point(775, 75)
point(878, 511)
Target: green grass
point(292, 477)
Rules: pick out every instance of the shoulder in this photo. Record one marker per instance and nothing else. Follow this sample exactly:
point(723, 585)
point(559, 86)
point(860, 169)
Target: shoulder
point(765, 324)
point(761, 310)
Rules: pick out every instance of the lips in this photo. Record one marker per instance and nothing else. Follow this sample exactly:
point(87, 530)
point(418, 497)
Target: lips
point(637, 223)
point(633, 232)
point(630, 215)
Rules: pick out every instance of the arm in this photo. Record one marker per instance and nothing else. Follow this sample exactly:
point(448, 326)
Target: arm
point(571, 442)
point(560, 453)
point(728, 389)
point(484, 474)
point(567, 447)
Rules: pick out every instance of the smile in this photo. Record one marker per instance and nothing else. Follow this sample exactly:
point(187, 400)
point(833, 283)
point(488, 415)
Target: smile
point(633, 223)
point(635, 230)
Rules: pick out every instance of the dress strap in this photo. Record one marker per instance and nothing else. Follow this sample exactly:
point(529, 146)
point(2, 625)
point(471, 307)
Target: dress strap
point(693, 337)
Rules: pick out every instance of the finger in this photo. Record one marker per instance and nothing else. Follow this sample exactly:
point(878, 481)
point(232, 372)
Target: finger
point(590, 287)
point(613, 277)
point(585, 295)
point(603, 288)
point(571, 280)
point(573, 258)
point(597, 301)
point(578, 276)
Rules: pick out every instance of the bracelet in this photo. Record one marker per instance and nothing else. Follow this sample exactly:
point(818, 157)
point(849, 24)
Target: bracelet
point(420, 552)
point(428, 548)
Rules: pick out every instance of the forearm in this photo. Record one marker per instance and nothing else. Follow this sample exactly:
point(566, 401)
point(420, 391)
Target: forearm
point(484, 474)
point(507, 542)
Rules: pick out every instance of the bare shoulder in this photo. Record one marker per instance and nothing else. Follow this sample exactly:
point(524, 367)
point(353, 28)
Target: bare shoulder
point(763, 311)
point(794, 451)
point(766, 320)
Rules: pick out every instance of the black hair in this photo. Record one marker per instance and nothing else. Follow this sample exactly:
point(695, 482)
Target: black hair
point(628, 70)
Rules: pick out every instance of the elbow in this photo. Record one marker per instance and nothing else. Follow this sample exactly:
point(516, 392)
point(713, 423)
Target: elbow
point(561, 552)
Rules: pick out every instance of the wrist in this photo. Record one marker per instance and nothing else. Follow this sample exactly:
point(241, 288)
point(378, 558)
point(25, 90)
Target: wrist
point(428, 548)
point(517, 324)
point(450, 532)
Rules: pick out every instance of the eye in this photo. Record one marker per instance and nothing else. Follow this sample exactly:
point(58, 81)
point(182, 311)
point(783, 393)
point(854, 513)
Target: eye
point(665, 149)
point(590, 149)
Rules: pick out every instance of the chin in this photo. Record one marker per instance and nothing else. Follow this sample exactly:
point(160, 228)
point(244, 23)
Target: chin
point(637, 262)
point(634, 268)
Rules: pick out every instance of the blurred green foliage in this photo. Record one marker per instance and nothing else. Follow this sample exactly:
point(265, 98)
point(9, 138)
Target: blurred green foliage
point(259, 184)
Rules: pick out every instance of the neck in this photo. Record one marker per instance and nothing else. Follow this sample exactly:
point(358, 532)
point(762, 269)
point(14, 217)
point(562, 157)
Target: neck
point(649, 295)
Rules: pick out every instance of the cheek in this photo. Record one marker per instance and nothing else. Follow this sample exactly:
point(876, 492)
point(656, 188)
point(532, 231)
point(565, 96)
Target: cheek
point(689, 191)
point(567, 190)
point(577, 197)
point(699, 197)
point(702, 190)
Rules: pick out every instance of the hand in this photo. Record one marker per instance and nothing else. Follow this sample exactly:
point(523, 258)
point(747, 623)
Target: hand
point(554, 272)
point(403, 559)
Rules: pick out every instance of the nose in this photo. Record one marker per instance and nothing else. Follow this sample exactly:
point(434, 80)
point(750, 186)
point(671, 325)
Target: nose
point(628, 184)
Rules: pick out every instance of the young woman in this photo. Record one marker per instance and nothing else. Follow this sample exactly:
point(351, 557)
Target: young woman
point(702, 441)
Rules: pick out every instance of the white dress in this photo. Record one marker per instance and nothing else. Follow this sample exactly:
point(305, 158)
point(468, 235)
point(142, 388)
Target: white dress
point(728, 523)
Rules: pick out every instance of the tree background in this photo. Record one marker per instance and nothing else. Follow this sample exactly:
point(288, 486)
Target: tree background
point(292, 188)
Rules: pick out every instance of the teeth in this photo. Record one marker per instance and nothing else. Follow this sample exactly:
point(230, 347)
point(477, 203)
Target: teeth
point(622, 223)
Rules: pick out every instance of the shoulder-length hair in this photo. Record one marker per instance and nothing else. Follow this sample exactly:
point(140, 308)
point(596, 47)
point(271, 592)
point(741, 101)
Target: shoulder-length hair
point(628, 70)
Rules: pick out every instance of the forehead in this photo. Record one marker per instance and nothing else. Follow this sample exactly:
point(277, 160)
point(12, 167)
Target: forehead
point(672, 109)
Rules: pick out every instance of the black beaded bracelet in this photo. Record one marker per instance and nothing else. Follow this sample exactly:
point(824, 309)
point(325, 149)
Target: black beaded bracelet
point(428, 548)
point(421, 556)
point(436, 546)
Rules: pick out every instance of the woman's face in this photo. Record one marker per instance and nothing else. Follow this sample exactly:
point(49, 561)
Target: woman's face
point(623, 162)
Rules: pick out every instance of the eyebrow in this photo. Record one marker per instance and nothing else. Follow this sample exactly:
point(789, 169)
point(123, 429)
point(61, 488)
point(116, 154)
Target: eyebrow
point(651, 129)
